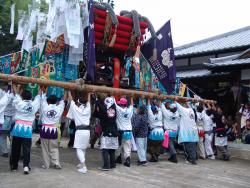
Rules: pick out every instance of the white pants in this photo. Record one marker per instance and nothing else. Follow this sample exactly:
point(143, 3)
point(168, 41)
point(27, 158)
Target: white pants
point(208, 144)
point(201, 149)
point(141, 144)
point(126, 147)
point(81, 155)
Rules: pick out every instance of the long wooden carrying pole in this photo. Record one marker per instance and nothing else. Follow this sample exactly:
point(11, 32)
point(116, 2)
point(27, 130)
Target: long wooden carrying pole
point(95, 88)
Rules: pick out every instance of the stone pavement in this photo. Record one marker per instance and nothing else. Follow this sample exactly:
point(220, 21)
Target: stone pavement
point(207, 174)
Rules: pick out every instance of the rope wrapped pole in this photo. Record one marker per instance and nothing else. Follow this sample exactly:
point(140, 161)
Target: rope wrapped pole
point(95, 88)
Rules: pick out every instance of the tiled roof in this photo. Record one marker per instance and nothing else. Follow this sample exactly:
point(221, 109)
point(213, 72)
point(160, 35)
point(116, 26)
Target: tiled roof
point(230, 40)
point(198, 73)
point(233, 60)
point(193, 73)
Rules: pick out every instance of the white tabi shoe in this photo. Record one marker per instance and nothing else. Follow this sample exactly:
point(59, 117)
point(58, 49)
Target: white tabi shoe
point(83, 170)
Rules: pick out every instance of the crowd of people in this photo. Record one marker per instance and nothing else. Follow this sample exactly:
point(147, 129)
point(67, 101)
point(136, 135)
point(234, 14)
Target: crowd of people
point(149, 126)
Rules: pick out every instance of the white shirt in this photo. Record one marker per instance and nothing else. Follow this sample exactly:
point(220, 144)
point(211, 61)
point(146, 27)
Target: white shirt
point(123, 118)
point(200, 118)
point(51, 113)
point(26, 109)
point(10, 109)
point(207, 122)
point(80, 114)
point(155, 120)
point(187, 120)
point(4, 101)
point(170, 120)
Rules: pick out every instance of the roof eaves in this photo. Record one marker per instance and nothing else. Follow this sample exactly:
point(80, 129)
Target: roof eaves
point(213, 38)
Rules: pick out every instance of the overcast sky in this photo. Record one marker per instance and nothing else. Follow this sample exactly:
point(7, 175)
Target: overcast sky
point(192, 20)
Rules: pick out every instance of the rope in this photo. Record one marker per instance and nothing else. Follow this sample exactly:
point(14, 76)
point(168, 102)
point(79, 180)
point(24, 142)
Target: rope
point(136, 20)
point(107, 7)
point(107, 31)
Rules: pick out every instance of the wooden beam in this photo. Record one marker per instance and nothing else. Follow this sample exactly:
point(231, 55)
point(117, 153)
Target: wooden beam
point(95, 88)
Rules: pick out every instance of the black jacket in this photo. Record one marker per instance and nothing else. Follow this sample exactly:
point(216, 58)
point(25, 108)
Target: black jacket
point(220, 126)
point(140, 125)
point(107, 120)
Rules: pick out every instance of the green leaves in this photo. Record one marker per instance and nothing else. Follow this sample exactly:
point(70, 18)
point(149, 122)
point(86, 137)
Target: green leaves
point(8, 42)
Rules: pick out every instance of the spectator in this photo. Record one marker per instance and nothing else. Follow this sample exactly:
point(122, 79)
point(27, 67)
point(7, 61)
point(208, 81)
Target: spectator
point(244, 112)
point(246, 133)
point(140, 129)
point(221, 134)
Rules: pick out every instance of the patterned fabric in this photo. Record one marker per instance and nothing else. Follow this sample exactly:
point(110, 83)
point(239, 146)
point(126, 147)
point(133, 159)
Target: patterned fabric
point(188, 135)
point(145, 75)
point(49, 132)
point(220, 141)
point(22, 129)
point(109, 142)
point(33, 71)
point(5, 64)
point(15, 62)
point(156, 134)
point(140, 125)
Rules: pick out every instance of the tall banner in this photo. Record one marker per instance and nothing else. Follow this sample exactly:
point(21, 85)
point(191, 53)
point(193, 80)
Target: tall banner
point(164, 65)
point(33, 70)
point(91, 44)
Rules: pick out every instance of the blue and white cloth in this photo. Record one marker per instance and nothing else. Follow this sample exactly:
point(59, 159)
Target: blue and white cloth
point(156, 134)
point(22, 129)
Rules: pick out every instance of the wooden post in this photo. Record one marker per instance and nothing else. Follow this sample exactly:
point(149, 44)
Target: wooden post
point(97, 89)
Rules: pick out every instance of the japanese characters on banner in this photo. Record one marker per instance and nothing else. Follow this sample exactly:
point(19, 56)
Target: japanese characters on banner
point(164, 65)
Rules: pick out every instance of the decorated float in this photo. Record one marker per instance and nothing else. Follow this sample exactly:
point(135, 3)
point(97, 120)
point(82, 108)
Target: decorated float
point(87, 41)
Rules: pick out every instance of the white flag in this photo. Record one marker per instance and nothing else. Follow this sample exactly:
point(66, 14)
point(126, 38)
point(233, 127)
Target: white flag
point(12, 12)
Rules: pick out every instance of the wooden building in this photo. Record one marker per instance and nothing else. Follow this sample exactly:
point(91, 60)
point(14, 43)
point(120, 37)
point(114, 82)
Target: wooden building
point(218, 68)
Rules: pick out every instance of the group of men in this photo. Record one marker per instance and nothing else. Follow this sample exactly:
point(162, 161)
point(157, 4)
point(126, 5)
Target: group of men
point(147, 128)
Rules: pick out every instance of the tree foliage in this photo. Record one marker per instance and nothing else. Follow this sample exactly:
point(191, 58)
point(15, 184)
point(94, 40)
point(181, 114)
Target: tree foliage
point(8, 42)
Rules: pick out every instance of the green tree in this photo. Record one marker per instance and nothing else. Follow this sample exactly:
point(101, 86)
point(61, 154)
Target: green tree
point(8, 42)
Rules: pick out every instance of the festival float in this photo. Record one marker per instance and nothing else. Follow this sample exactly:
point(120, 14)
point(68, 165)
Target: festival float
point(85, 46)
